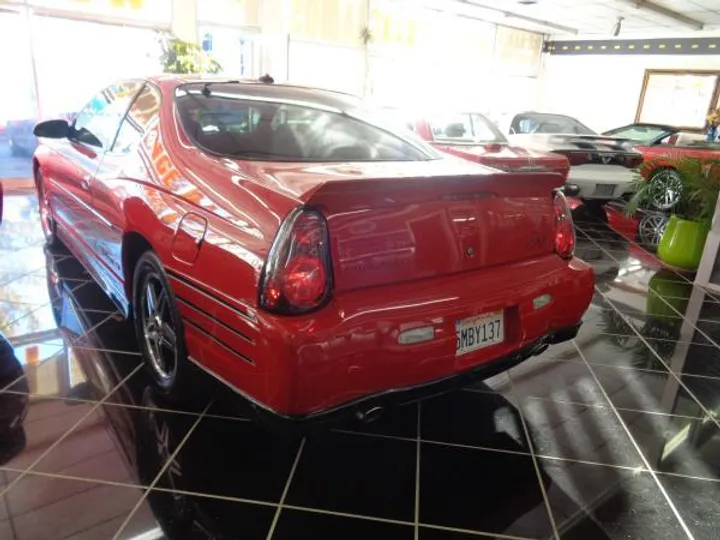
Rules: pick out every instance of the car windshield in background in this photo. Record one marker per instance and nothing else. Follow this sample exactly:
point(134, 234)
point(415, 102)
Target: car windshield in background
point(640, 133)
point(548, 123)
point(464, 128)
point(227, 124)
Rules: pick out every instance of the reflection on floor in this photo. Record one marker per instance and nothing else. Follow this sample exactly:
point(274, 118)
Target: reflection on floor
point(614, 435)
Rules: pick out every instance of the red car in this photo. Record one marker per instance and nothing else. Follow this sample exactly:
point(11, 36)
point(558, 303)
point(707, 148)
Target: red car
point(302, 252)
point(660, 145)
point(473, 137)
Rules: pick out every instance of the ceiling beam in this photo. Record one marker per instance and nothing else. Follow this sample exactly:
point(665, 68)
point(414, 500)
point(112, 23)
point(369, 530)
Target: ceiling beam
point(669, 13)
point(520, 17)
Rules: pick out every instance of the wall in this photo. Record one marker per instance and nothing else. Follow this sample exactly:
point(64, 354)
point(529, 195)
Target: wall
point(603, 91)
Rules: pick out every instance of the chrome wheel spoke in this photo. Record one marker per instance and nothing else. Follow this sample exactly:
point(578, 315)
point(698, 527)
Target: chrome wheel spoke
point(167, 336)
point(151, 301)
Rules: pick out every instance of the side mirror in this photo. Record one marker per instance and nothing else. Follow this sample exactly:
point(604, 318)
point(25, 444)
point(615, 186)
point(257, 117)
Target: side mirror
point(52, 129)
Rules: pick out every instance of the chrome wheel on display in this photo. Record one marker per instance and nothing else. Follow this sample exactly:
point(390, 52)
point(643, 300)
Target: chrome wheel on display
point(651, 228)
point(665, 189)
point(159, 335)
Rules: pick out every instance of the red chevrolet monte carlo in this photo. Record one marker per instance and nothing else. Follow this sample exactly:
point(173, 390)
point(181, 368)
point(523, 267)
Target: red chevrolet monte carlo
point(286, 241)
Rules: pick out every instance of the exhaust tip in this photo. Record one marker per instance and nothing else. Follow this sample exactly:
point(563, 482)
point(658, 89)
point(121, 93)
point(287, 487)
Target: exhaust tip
point(541, 348)
point(370, 414)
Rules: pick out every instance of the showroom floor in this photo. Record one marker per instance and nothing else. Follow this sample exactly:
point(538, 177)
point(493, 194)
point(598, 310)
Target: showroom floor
point(613, 435)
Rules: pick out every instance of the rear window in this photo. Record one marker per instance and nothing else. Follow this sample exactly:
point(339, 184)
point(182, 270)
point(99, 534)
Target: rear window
point(639, 133)
point(229, 125)
point(464, 128)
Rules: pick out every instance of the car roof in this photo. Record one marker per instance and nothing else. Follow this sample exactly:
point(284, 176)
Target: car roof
point(276, 91)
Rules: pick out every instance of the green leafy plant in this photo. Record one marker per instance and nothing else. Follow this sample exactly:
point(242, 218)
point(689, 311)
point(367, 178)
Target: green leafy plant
point(698, 190)
point(178, 56)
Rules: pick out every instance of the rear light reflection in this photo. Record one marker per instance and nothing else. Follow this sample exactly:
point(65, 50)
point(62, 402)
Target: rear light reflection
point(564, 229)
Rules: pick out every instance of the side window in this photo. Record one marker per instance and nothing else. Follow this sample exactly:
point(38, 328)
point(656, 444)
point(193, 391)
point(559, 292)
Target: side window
point(97, 123)
point(141, 113)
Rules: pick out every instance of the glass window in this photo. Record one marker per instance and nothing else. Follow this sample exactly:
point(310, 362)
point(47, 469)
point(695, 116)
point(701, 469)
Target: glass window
point(548, 123)
point(97, 123)
point(142, 112)
point(641, 133)
point(464, 127)
point(228, 125)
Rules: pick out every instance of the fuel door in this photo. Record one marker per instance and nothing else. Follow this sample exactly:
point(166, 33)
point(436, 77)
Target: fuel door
point(188, 238)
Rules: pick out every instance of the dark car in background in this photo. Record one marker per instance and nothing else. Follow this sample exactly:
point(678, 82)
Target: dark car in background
point(601, 167)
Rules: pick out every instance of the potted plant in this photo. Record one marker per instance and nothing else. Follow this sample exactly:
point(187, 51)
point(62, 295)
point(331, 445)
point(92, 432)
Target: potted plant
point(684, 238)
point(178, 56)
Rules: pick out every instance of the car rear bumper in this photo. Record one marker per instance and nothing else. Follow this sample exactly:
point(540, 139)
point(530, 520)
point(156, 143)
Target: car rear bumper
point(605, 182)
point(365, 407)
point(350, 349)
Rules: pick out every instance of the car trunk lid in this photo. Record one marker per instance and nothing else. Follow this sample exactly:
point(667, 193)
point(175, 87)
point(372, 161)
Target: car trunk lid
point(391, 228)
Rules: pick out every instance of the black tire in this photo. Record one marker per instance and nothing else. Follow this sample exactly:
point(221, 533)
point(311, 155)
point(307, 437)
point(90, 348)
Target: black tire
point(161, 337)
point(47, 220)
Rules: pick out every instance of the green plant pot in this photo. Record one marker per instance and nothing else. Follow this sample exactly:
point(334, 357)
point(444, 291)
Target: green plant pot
point(667, 292)
point(682, 243)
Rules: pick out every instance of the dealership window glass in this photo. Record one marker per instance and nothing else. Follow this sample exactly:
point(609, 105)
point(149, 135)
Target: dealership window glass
point(228, 125)
point(235, 12)
point(330, 21)
point(97, 123)
point(517, 52)
point(235, 50)
point(681, 99)
point(157, 11)
point(18, 100)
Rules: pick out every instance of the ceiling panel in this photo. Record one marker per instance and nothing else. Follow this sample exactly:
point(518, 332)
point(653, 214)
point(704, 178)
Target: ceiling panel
point(600, 16)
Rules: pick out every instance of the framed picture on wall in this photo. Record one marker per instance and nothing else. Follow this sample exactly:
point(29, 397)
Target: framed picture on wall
point(678, 98)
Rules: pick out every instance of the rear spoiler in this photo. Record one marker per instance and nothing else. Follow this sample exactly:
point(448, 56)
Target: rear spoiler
point(378, 192)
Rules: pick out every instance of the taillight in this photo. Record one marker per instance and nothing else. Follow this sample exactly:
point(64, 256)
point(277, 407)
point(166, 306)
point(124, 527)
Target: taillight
point(564, 229)
point(297, 277)
point(578, 158)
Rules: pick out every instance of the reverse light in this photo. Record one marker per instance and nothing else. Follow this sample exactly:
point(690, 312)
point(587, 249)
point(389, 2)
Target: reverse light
point(564, 229)
point(297, 277)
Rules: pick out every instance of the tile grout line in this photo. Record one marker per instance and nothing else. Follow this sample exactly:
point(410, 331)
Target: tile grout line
point(167, 465)
point(417, 472)
point(534, 457)
point(654, 352)
point(639, 450)
point(280, 505)
point(66, 434)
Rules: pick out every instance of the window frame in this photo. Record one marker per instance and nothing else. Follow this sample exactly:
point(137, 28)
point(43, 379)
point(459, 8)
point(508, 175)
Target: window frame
point(113, 138)
point(421, 146)
point(135, 125)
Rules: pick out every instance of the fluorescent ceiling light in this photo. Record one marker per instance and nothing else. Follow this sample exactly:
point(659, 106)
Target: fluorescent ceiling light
point(670, 14)
point(520, 17)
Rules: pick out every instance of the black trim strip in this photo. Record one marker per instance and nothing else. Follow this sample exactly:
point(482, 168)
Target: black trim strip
point(185, 281)
point(219, 341)
point(215, 319)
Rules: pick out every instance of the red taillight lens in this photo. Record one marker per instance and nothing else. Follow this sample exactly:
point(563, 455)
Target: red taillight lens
point(297, 276)
point(577, 158)
point(564, 229)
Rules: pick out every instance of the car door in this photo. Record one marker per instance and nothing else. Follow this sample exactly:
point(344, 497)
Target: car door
point(121, 166)
point(92, 133)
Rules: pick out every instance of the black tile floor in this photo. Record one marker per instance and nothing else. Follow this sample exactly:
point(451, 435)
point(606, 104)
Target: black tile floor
point(612, 436)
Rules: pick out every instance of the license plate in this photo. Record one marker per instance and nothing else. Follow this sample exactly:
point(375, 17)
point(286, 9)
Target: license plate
point(479, 332)
point(604, 190)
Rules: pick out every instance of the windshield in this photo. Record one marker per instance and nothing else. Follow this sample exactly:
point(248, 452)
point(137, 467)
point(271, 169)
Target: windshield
point(548, 123)
point(250, 128)
point(464, 128)
point(640, 133)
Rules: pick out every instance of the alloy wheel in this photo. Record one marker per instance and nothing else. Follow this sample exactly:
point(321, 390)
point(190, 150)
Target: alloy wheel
point(159, 333)
point(665, 189)
point(651, 229)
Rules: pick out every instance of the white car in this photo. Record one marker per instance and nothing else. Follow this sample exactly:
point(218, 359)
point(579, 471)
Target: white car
point(601, 168)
